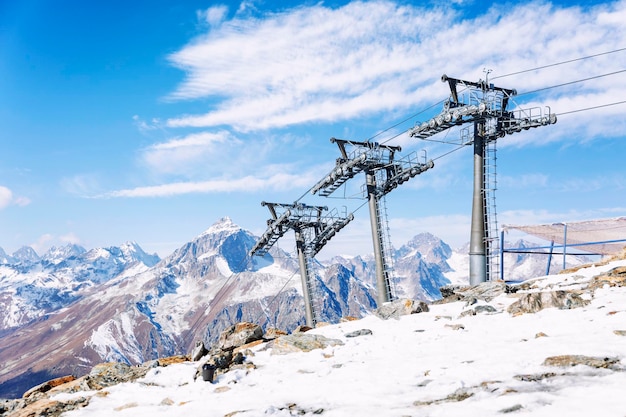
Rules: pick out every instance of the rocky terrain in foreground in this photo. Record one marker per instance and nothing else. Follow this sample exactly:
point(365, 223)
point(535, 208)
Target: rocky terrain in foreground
point(535, 346)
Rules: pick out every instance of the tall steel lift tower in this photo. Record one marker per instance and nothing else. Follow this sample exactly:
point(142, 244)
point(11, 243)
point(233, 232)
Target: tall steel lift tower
point(485, 107)
point(383, 173)
point(313, 230)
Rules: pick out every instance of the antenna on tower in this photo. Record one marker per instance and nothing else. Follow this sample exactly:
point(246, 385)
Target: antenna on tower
point(485, 106)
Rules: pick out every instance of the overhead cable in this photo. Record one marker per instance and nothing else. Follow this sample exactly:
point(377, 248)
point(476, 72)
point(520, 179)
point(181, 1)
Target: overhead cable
point(572, 82)
point(560, 63)
point(594, 107)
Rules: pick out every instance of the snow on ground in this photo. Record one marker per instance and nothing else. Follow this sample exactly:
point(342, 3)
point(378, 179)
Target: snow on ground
point(418, 365)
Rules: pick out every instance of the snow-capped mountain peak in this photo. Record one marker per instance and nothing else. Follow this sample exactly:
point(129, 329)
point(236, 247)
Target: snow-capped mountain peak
point(26, 255)
point(223, 225)
point(4, 258)
point(132, 251)
point(56, 255)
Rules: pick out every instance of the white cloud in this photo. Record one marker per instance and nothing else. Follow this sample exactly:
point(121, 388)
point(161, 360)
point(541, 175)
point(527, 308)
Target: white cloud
point(277, 182)
point(7, 198)
point(191, 153)
point(146, 126)
point(322, 64)
point(213, 15)
point(81, 184)
point(70, 238)
point(42, 243)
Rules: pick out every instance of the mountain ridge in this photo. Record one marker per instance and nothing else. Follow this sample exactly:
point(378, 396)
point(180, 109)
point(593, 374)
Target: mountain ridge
point(142, 312)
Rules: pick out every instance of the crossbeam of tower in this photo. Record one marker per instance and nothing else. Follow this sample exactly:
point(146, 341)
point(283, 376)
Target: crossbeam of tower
point(485, 106)
point(314, 226)
point(383, 173)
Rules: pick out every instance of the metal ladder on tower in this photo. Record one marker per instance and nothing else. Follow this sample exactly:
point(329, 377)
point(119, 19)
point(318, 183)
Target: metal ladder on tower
point(385, 244)
point(492, 241)
point(316, 295)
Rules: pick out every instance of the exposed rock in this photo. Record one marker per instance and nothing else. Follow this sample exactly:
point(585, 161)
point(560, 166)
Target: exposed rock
point(485, 291)
point(9, 406)
point(402, 307)
point(535, 377)
point(228, 352)
point(47, 386)
point(487, 309)
point(273, 333)
point(449, 295)
point(245, 349)
point(534, 302)
point(198, 351)
point(573, 360)
point(511, 409)
point(361, 332)
point(302, 329)
point(171, 360)
point(459, 395)
point(620, 332)
point(167, 401)
point(46, 407)
point(302, 342)
point(616, 277)
point(455, 326)
point(113, 373)
point(540, 334)
point(239, 334)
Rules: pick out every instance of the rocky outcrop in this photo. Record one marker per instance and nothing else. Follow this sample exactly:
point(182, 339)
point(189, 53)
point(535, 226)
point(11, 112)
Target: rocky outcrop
point(573, 360)
point(398, 308)
point(230, 350)
point(616, 277)
point(239, 334)
point(302, 342)
point(534, 302)
point(47, 386)
point(38, 402)
point(485, 291)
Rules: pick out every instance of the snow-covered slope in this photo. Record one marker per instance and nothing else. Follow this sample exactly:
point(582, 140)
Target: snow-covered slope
point(32, 287)
point(444, 362)
point(109, 305)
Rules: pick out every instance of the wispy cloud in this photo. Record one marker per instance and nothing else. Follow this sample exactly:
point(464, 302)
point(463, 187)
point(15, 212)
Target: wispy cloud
point(317, 63)
point(276, 182)
point(7, 198)
point(81, 184)
point(186, 154)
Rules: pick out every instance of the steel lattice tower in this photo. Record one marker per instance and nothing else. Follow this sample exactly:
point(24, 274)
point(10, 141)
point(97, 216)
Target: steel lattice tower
point(485, 107)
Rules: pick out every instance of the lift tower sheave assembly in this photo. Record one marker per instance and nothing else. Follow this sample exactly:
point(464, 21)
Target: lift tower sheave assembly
point(313, 228)
point(383, 173)
point(484, 106)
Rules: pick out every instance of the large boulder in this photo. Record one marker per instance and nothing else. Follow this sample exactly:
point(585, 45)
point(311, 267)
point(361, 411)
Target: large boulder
point(616, 277)
point(113, 373)
point(302, 342)
point(238, 335)
point(537, 301)
point(402, 307)
point(573, 360)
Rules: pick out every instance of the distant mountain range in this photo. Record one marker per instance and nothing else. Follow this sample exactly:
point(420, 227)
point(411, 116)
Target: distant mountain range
point(70, 309)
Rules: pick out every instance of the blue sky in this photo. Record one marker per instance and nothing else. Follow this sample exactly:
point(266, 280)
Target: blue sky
point(150, 120)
